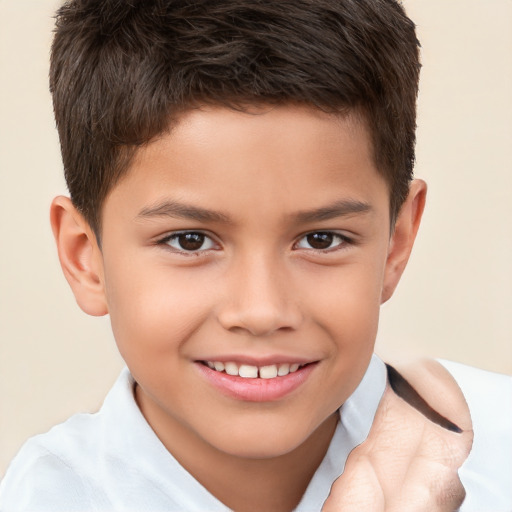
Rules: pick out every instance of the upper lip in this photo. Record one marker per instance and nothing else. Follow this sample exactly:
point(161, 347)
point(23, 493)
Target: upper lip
point(259, 360)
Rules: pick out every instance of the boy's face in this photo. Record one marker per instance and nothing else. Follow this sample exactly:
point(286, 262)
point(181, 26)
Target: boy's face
point(258, 239)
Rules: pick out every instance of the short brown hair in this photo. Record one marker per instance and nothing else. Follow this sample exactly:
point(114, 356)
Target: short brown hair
point(120, 70)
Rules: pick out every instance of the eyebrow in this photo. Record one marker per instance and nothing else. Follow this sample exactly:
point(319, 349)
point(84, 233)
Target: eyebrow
point(178, 210)
point(175, 209)
point(337, 209)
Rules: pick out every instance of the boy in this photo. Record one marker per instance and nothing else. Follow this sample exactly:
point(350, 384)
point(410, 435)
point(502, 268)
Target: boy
point(240, 176)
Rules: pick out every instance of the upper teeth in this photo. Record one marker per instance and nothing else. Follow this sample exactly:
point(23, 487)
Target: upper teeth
point(252, 372)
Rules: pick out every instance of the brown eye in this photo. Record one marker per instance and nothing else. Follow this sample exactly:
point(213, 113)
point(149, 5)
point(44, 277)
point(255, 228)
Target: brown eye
point(322, 241)
point(190, 242)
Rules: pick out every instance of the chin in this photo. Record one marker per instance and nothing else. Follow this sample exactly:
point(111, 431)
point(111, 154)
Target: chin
point(260, 448)
point(264, 440)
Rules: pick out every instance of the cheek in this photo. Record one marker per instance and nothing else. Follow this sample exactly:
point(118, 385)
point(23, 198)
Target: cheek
point(155, 310)
point(347, 311)
point(346, 301)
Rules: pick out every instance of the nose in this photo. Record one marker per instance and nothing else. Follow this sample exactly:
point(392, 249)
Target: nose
point(260, 299)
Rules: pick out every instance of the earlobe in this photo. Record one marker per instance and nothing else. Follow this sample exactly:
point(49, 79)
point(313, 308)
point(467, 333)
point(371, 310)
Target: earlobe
point(402, 239)
point(79, 255)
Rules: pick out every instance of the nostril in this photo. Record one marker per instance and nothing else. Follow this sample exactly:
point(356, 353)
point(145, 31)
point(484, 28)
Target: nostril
point(258, 321)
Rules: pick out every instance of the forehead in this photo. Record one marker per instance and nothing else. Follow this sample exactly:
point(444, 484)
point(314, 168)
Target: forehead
point(268, 160)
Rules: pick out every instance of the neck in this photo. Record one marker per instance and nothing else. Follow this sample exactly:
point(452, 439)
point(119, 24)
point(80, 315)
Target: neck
point(274, 485)
point(243, 484)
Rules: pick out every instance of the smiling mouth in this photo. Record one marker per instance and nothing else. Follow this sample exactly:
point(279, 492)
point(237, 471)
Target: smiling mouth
point(256, 383)
point(254, 372)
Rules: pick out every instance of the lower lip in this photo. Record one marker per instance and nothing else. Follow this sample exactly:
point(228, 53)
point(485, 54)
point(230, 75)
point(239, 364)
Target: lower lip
point(256, 390)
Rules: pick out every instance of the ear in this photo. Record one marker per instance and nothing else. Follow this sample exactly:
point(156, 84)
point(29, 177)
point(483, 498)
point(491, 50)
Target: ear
point(403, 236)
point(79, 255)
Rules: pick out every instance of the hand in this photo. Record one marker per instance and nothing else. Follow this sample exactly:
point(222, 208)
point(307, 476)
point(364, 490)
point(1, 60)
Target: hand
point(407, 463)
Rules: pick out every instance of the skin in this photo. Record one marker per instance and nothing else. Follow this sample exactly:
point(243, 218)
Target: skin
point(408, 463)
point(257, 291)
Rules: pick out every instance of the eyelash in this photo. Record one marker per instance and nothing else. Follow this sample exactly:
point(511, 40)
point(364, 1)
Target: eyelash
point(175, 236)
point(343, 241)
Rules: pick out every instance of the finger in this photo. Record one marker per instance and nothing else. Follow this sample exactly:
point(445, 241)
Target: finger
point(429, 487)
point(444, 447)
point(356, 490)
point(447, 489)
point(438, 387)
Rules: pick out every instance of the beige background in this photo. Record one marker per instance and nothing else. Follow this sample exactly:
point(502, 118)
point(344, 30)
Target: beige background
point(455, 300)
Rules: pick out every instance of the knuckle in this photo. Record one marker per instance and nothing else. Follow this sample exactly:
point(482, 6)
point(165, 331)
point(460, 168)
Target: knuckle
point(447, 489)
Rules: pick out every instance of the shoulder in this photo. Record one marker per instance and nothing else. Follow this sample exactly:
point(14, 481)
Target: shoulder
point(62, 468)
point(487, 472)
point(50, 471)
point(110, 460)
point(476, 384)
